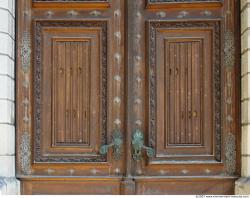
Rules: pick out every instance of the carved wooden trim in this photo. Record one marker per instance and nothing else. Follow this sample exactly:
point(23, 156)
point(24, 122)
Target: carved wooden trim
point(230, 153)
point(215, 26)
point(38, 27)
point(229, 49)
point(25, 52)
point(25, 153)
point(230, 88)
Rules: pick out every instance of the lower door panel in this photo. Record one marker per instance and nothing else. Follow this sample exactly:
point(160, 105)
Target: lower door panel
point(185, 186)
point(143, 186)
point(70, 186)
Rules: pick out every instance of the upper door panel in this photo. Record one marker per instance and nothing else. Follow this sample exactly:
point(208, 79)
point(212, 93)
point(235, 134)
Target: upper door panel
point(182, 125)
point(184, 86)
point(70, 87)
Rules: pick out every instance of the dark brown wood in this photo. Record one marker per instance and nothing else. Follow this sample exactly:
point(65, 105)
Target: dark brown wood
point(169, 68)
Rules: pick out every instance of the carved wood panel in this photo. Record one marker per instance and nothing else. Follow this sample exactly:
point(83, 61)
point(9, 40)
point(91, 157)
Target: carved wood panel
point(183, 81)
point(69, 87)
point(182, 89)
point(71, 91)
point(70, 98)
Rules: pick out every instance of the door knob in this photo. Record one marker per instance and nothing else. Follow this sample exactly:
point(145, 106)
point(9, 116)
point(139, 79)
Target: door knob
point(138, 145)
point(116, 144)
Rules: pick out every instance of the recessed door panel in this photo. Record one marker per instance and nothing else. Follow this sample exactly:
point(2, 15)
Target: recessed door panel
point(184, 87)
point(74, 62)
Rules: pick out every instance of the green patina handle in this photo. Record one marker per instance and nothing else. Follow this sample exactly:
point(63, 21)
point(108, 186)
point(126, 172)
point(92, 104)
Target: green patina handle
point(116, 144)
point(138, 145)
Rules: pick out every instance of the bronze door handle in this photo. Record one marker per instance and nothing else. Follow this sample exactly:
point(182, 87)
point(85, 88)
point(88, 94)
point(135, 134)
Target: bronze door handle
point(116, 144)
point(138, 145)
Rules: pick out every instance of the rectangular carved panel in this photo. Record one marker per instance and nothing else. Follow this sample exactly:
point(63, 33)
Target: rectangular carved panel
point(71, 80)
point(183, 82)
point(184, 90)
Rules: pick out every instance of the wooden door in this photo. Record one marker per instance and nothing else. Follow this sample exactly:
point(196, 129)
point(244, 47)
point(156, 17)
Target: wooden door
point(70, 72)
point(128, 97)
point(185, 95)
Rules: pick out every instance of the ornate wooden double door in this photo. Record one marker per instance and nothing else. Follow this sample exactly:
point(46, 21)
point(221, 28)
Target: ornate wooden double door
point(128, 96)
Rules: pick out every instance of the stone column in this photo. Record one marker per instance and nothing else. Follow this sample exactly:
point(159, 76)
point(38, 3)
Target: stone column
point(8, 182)
point(243, 184)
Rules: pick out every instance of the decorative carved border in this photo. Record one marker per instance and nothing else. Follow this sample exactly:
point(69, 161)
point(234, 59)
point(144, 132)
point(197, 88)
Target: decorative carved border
point(25, 139)
point(25, 52)
point(229, 49)
point(39, 25)
point(230, 153)
point(215, 26)
point(25, 153)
